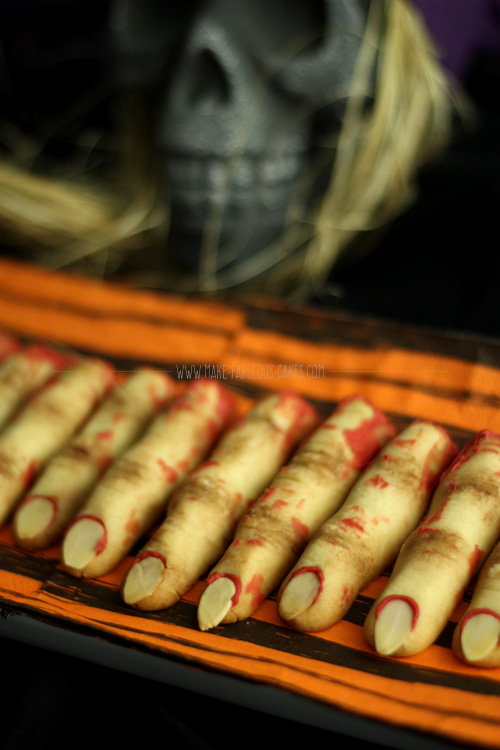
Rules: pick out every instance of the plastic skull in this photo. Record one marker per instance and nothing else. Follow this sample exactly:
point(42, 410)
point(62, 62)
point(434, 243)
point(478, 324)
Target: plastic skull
point(244, 93)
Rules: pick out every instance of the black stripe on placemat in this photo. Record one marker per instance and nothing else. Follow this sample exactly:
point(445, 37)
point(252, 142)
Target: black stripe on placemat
point(98, 596)
point(175, 656)
point(358, 331)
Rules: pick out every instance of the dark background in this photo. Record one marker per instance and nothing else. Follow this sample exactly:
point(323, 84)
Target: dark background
point(437, 265)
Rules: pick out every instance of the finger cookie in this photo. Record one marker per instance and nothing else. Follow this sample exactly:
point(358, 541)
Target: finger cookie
point(441, 556)
point(476, 639)
point(202, 514)
point(362, 538)
point(71, 475)
point(135, 490)
point(23, 373)
point(45, 425)
point(309, 489)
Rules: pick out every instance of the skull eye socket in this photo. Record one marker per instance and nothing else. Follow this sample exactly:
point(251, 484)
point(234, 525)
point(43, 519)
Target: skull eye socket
point(207, 80)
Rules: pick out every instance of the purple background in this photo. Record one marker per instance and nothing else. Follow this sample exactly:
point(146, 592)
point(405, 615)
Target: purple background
point(462, 30)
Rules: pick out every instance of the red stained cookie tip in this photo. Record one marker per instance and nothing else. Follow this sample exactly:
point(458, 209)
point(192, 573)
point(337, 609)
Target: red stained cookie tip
point(367, 439)
point(305, 415)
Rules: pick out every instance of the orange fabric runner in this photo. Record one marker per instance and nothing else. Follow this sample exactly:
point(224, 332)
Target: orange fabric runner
point(452, 380)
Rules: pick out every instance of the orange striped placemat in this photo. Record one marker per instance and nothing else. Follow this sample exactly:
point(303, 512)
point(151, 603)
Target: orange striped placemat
point(450, 379)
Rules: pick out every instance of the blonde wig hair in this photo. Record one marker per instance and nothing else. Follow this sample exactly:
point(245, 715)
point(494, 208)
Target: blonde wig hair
point(385, 137)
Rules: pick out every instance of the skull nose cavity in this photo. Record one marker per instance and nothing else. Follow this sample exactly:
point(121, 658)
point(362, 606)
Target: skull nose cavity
point(206, 79)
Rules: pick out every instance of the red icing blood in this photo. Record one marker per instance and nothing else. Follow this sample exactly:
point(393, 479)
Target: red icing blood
point(266, 494)
point(225, 405)
point(317, 572)
point(279, 504)
point(237, 582)
point(159, 397)
point(28, 474)
point(206, 464)
point(255, 542)
point(437, 515)
point(108, 377)
point(237, 542)
point(367, 439)
point(192, 497)
point(150, 553)
point(352, 523)
point(170, 474)
point(473, 612)
point(378, 481)
point(8, 345)
point(470, 449)
point(434, 464)
point(430, 471)
point(212, 431)
point(104, 435)
point(423, 529)
point(131, 527)
point(301, 503)
point(380, 519)
point(301, 529)
point(408, 599)
point(58, 360)
point(254, 587)
point(101, 544)
point(305, 417)
point(347, 594)
point(475, 559)
point(51, 498)
point(402, 443)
